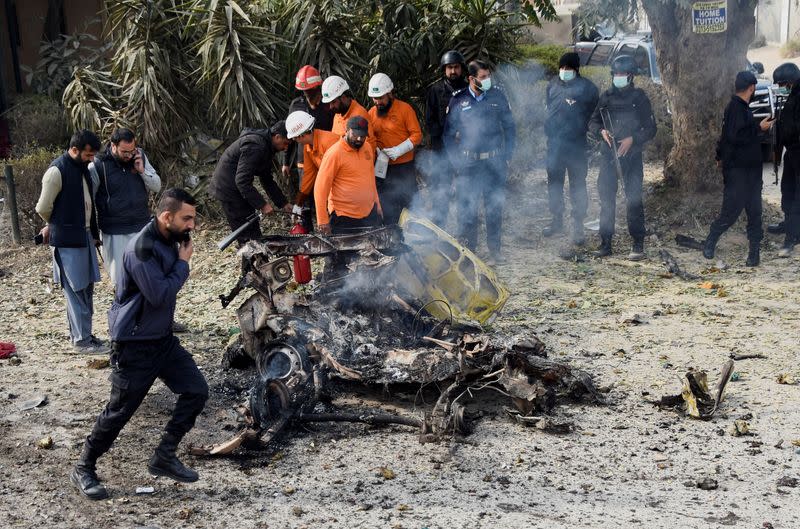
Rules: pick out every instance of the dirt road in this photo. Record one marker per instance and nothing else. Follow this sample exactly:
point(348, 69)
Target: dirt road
point(627, 465)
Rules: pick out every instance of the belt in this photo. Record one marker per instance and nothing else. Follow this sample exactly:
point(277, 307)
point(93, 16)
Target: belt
point(481, 155)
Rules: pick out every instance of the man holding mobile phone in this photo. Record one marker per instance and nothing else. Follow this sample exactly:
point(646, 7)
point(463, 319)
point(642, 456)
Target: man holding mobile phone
point(123, 179)
point(155, 267)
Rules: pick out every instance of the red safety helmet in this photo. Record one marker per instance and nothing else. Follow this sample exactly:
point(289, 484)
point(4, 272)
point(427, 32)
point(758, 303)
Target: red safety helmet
point(308, 77)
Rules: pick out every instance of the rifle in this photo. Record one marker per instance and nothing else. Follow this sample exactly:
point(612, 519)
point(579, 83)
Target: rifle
point(608, 126)
point(255, 218)
point(776, 102)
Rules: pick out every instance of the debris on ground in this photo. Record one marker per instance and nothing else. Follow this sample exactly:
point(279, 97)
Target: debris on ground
point(98, 363)
point(7, 350)
point(392, 308)
point(707, 484)
point(740, 428)
point(695, 398)
point(45, 443)
point(688, 241)
point(145, 490)
point(36, 402)
point(674, 268)
point(786, 378)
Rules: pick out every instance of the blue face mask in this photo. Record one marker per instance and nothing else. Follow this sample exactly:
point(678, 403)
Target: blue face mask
point(620, 81)
point(484, 84)
point(566, 75)
point(783, 90)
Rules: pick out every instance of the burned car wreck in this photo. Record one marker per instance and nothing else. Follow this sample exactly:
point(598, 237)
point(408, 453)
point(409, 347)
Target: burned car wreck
point(404, 304)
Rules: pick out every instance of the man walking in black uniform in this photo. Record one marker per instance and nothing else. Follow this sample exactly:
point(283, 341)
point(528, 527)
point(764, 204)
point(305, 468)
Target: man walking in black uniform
point(786, 76)
point(439, 94)
point(479, 136)
point(571, 99)
point(739, 152)
point(624, 113)
point(232, 184)
point(156, 265)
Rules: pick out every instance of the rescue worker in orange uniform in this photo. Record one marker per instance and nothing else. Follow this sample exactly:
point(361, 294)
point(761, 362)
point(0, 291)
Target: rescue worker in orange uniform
point(314, 142)
point(309, 82)
point(397, 131)
point(336, 93)
point(345, 191)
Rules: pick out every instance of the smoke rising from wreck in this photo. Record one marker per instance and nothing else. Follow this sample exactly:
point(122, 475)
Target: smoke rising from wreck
point(525, 91)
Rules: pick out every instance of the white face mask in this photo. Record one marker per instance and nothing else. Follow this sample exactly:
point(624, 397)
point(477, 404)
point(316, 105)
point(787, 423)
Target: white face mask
point(620, 81)
point(566, 75)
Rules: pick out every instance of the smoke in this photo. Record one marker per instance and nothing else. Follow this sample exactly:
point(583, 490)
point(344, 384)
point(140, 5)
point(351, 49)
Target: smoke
point(449, 195)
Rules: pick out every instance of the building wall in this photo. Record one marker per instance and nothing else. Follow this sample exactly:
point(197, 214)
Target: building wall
point(79, 15)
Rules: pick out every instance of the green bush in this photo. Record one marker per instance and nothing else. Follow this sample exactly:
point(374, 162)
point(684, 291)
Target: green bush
point(28, 172)
point(546, 55)
point(36, 121)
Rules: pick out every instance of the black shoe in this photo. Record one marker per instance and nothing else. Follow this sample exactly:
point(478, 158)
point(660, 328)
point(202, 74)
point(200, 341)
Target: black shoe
point(578, 236)
point(637, 251)
point(165, 463)
point(777, 228)
point(85, 479)
point(554, 228)
point(708, 248)
point(753, 257)
point(605, 248)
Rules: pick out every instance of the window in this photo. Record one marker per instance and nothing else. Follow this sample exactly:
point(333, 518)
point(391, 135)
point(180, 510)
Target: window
point(640, 56)
point(601, 54)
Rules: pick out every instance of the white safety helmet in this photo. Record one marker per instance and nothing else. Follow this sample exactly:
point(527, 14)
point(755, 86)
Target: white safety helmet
point(380, 85)
point(298, 123)
point(333, 87)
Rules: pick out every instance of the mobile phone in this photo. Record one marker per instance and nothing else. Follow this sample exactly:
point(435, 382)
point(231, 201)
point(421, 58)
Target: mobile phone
point(38, 239)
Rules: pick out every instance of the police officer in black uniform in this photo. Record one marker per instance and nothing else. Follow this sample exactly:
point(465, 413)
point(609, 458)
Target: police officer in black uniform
point(479, 136)
point(156, 265)
point(786, 76)
point(440, 179)
point(739, 153)
point(571, 99)
point(628, 116)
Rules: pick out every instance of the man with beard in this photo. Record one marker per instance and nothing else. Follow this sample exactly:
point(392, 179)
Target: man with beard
point(309, 81)
point(739, 152)
point(122, 178)
point(345, 193)
point(397, 131)
point(66, 204)
point(336, 92)
point(155, 267)
point(571, 99)
point(232, 184)
point(786, 76)
point(480, 136)
point(441, 174)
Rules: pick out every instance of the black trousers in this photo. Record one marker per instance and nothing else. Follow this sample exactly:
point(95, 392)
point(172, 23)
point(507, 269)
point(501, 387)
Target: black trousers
point(397, 190)
point(237, 213)
point(484, 179)
point(564, 157)
point(440, 184)
point(344, 225)
point(742, 191)
point(607, 185)
point(790, 193)
point(135, 367)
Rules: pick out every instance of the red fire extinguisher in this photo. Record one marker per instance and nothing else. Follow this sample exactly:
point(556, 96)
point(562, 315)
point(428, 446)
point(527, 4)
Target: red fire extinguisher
point(302, 263)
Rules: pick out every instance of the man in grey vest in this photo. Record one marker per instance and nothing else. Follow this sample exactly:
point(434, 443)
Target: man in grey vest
point(123, 178)
point(66, 204)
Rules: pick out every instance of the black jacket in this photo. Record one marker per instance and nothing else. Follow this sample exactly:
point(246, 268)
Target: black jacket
point(121, 197)
point(144, 305)
point(569, 107)
point(250, 155)
point(436, 101)
point(68, 219)
point(631, 116)
point(789, 122)
point(739, 143)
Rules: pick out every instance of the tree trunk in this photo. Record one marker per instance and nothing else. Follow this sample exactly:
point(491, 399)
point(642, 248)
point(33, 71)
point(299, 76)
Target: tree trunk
point(698, 71)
